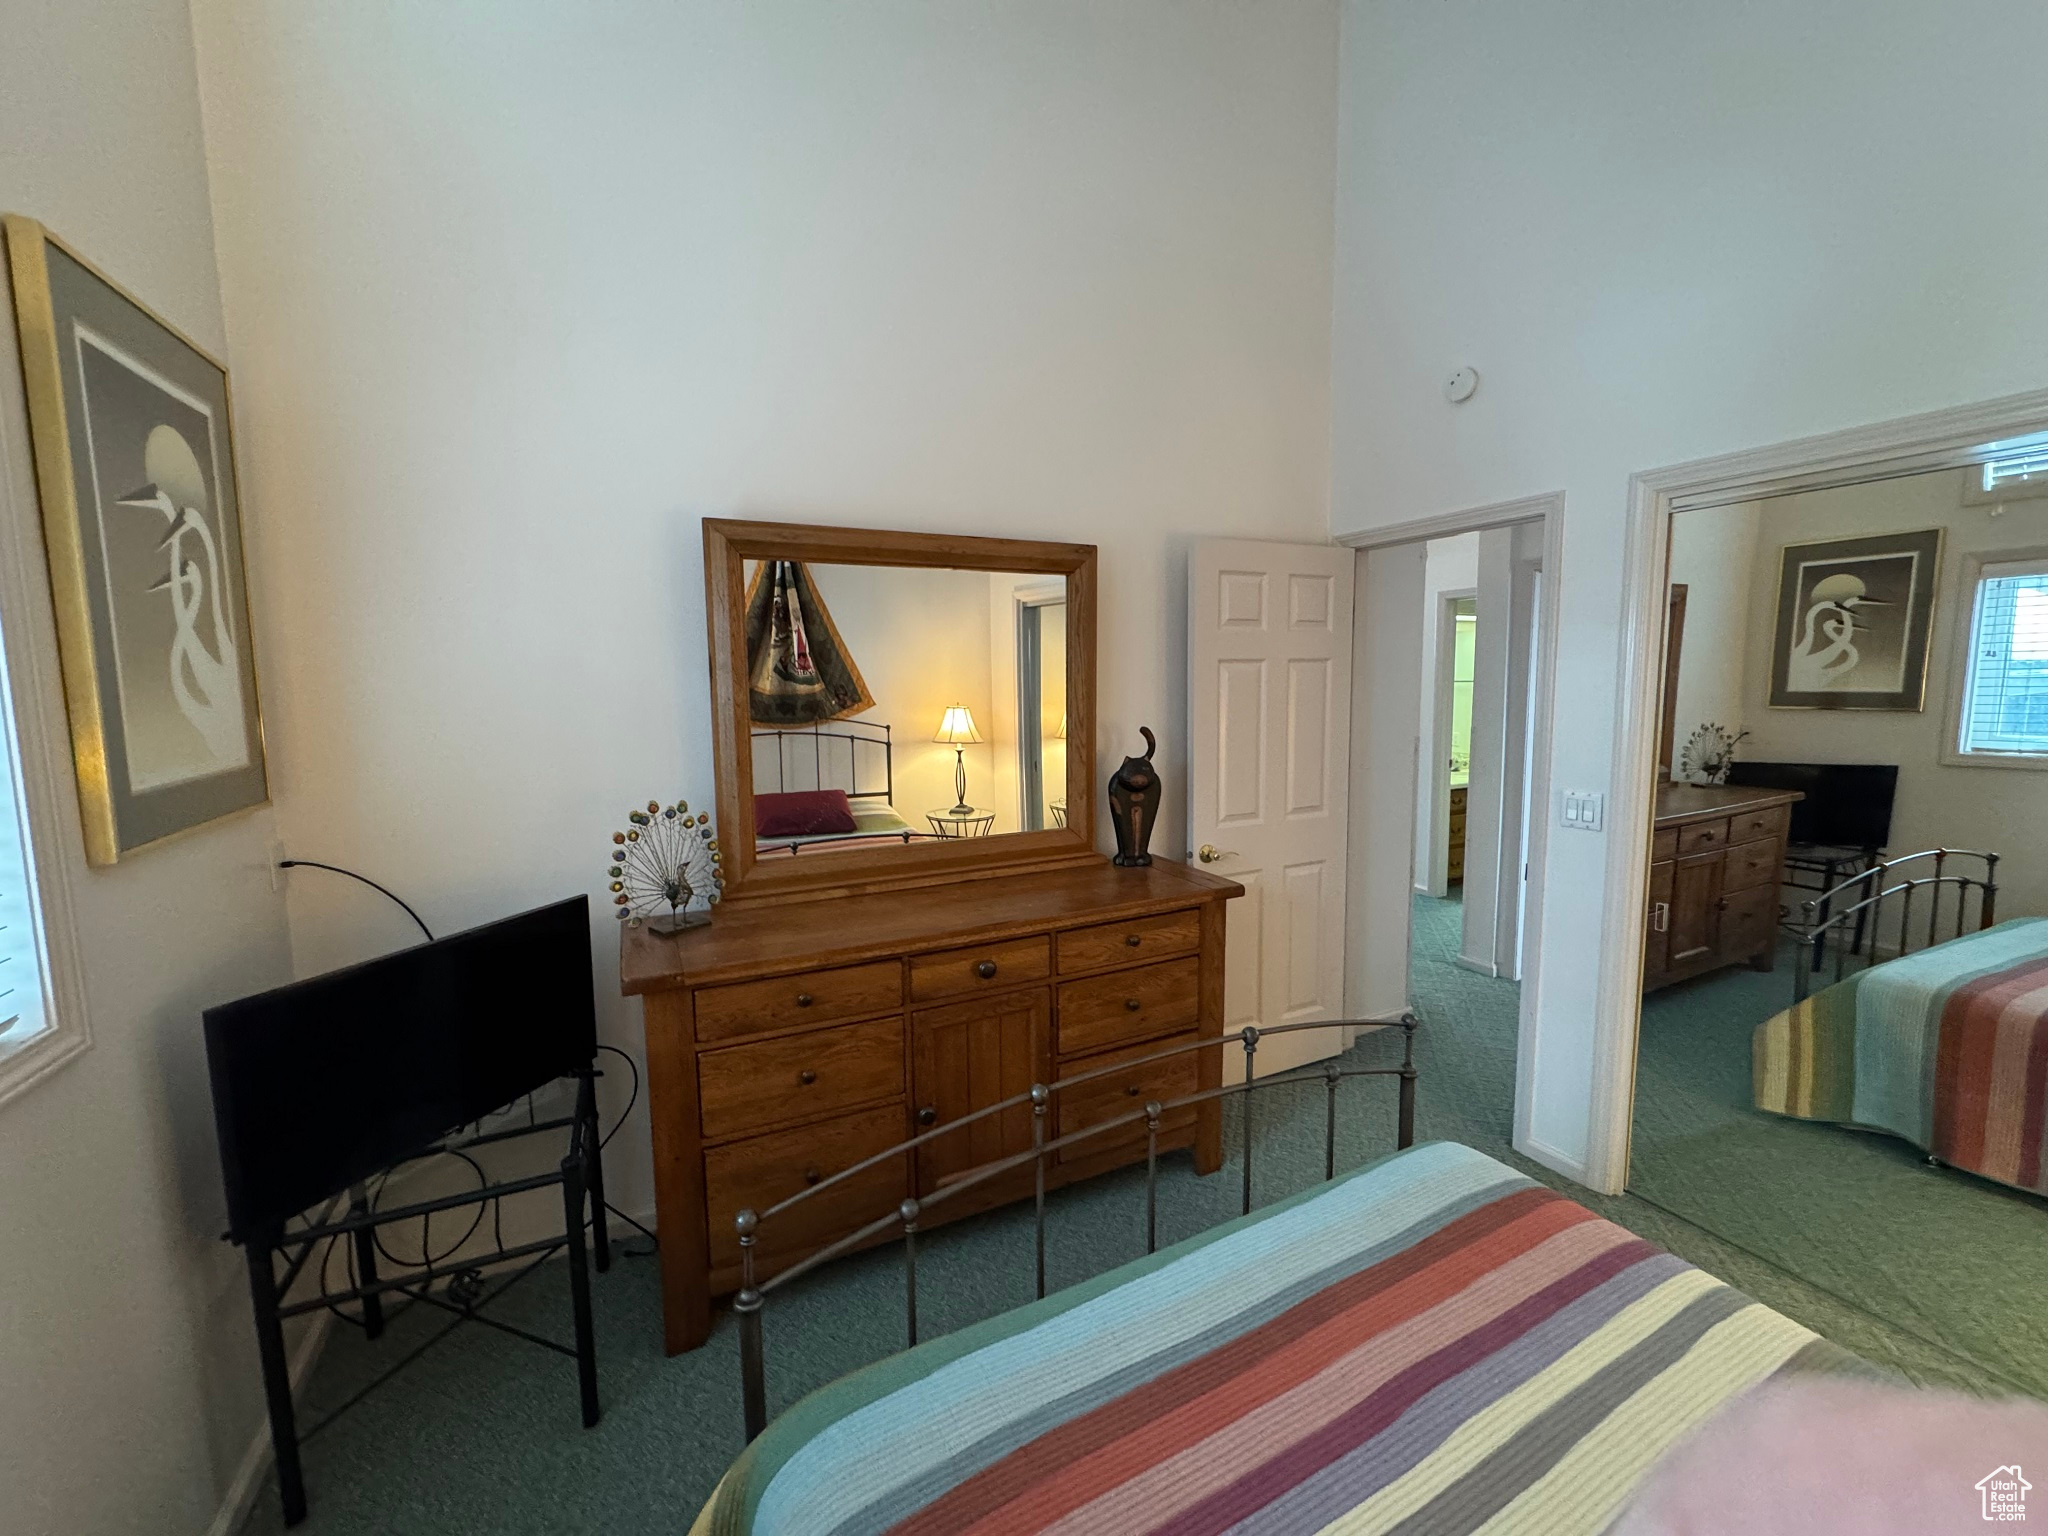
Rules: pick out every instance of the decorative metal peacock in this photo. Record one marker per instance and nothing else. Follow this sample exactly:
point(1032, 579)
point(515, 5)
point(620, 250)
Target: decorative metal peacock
point(1709, 753)
point(664, 868)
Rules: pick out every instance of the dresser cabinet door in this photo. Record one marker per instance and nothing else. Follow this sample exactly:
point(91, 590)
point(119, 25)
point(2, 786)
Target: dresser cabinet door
point(970, 1055)
point(1695, 909)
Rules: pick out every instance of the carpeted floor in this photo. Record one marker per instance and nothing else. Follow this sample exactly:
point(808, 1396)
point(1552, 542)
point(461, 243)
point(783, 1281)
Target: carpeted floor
point(480, 1433)
point(1947, 1257)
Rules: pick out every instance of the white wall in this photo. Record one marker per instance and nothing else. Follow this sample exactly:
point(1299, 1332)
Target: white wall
point(2000, 810)
point(1042, 268)
point(1662, 232)
point(1386, 693)
point(128, 1383)
point(1712, 554)
point(1450, 565)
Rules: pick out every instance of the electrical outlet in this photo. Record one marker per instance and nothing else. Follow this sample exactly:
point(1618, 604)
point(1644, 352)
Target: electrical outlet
point(1584, 810)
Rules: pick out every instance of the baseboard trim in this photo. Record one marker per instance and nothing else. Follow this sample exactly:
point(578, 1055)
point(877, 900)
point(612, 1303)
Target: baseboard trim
point(241, 1494)
point(1572, 1168)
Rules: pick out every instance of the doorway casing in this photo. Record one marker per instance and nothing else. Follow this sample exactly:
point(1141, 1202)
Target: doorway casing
point(1949, 439)
point(1549, 509)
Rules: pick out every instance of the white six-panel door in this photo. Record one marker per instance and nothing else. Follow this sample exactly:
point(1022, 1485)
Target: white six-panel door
point(1269, 717)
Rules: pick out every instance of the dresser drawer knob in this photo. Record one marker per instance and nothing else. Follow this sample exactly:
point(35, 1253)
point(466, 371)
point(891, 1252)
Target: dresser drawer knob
point(1131, 1092)
point(804, 999)
point(1133, 940)
point(811, 1174)
point(927, 1115)
point(807, 1077)
point(985, 970)
point(1133, 1004)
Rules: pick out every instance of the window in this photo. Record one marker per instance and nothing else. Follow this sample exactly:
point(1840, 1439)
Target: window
point(42, 985)
point(2005, 690)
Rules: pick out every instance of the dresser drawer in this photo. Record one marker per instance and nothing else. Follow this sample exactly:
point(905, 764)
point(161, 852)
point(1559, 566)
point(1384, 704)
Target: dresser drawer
point(1129, 1005)
point(1142, 938)
point(1751, 825)
point(1118, 1093)
point(1702, 836)
point(757, 1172)
point(1751, 864)
point(810, 997)
point(978, 968)
point(1749, 923)
point(1663, 844)
point(746, 1088)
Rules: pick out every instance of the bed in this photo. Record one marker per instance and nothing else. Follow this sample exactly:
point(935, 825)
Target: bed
point(1434, 1342)
point(852, 760)
point(1946, 1047)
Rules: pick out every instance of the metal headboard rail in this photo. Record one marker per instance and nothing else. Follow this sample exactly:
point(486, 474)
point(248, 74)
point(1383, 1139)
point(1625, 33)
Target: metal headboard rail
point(1818, 931)
point(747, 1305)
point(851, 733)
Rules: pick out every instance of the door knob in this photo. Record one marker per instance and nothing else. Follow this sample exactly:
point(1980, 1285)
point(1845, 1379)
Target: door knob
point(1209, 853)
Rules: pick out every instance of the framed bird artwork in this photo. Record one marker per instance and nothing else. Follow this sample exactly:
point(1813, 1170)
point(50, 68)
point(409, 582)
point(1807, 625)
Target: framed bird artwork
point(1853, 621)
point(142, 520)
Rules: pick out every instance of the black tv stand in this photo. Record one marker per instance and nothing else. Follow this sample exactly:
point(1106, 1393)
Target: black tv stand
point(581, 1177)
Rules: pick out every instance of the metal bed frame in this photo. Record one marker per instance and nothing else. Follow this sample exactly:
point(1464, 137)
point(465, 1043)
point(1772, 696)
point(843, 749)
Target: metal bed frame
point(856, 734)
point(747, 1305)
point(1832, 916)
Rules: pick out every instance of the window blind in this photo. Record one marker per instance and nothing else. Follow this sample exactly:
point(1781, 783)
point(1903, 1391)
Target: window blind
point(2018, 469)
point(2005, 703)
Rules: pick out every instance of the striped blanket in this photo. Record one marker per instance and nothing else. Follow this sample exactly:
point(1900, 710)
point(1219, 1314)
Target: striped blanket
point(1947, 1048)
point(1432, 1344)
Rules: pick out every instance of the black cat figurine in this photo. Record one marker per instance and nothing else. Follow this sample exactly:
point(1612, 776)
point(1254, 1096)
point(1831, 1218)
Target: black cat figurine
point(1134, 804)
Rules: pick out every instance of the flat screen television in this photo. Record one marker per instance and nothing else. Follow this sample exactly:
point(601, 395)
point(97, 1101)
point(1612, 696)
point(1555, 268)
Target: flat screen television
point(1847, 805)
point(320, 1084)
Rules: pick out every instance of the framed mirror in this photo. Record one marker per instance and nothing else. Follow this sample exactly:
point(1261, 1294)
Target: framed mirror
point(896, 709)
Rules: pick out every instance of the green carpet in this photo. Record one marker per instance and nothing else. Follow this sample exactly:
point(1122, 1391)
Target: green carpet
point(1942, 1255)
point(480, 1434)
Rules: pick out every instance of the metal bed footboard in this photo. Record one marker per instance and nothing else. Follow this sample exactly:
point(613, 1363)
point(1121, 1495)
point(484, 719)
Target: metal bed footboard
point(1876, 889)
point(748, 1304)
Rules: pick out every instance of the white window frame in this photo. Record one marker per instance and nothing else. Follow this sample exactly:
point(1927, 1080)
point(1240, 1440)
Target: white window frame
point(32, 695)
point(1962, 645)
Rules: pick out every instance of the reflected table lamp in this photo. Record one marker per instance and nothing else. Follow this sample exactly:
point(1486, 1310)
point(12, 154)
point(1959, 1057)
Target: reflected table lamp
point(957, 731)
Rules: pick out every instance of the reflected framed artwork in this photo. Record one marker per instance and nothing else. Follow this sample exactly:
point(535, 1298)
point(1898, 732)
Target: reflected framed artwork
point(135, 471)
point(1853, 622)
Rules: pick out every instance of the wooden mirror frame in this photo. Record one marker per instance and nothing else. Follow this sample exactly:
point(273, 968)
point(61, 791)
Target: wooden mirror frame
point(749, 880)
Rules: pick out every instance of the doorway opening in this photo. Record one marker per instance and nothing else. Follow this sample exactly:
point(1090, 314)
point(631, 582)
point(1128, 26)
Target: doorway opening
point(1451, 715)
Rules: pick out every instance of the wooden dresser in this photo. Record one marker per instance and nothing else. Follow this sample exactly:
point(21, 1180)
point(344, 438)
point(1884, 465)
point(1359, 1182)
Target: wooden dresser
point(1454, 851)
point(787, 1042)
point(1716, 857)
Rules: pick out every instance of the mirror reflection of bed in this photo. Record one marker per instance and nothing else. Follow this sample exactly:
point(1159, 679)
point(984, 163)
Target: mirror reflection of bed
point(894, 705)
point(1843, 1053)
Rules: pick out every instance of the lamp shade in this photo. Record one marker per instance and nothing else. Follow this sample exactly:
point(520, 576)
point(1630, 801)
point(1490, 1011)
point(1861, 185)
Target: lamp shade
point(957, 728)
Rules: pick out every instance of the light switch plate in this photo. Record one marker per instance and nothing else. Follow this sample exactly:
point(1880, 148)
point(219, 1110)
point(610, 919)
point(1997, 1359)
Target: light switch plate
point(1583, 810)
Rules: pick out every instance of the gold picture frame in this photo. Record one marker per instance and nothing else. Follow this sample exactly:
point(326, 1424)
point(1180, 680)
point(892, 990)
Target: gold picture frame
point(148, 579)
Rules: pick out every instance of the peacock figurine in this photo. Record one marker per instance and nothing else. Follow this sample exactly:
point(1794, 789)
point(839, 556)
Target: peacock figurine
point(665, 868)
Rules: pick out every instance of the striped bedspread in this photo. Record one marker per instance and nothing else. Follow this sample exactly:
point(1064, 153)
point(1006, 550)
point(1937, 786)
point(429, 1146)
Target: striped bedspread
point(1947, 1048)
point(1434, 1344)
